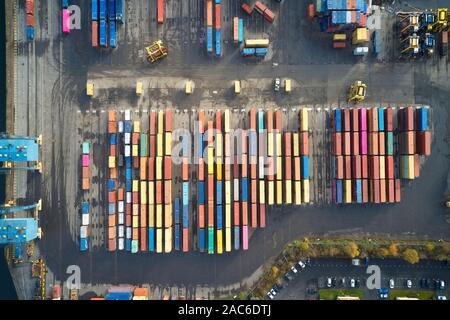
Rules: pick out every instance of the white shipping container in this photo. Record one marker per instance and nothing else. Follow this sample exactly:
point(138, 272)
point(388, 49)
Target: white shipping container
point(261, 167)
point(83, 232)
point(128, 197)
point(128, 233)
point(127, 138)
point(121, 218)
point(360, 51)
point(127, 151)
point(128, 115)
point(120, 126)
point(236, 189)
point(85, 219)
point(121, 243)
point(121, 206)
point(121, 232)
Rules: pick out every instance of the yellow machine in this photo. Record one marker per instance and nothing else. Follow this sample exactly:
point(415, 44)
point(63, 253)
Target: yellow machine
point(237, 86)
point(156, 51)
point(188, 87)
point(90, 89)
point(357, 92)
point(441, 21)
point(139, 87)
point(287, 85)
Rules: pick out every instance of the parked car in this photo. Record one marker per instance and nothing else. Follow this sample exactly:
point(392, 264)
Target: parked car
point(409, 283)
point(441, 297)
point(383, 293)
point(277, 84)
point(440, 284)
point(294, 270)
point(391, 283)
point(329, 282)
point(352, 283)
point(301, 264)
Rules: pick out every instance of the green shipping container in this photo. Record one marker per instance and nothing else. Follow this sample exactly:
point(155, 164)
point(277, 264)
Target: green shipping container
point(390, 143)
point(211, 240)
point(144, 145)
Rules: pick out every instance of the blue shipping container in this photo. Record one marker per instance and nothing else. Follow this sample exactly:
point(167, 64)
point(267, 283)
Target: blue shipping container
point(65, 4)
point(337, 120)
point(185, 193)
point(338, 191)
point(248, 51)
point(376, 41)
point(241, 31)
point(185, 216)
point(261, 52)
point(177, 237)
point(260, 120)
point(305, 167)
point(244, 189)
point(118, 296)
point(358, 190)
point(112, 10)
point(236, 238)
point(102, 12)
point(128, 244)
point(201, 240)
point(119, 10)
point(112, 138)
point(30, 32)
point(127, 126)
point(219, 192)
point(103, 33)
point(112, 34)
point(217, 1)
point(111, 208)
point(422, 118)
point(177, 210)
point(380, 119)
point(151, 239)
point(84, 244)
point(94, 9)
point(128, 164)
point(209, 39)
point(128, 173)
point(219, 217)
point(218, 41)
point(128, 185)
point(201, 192)
point(85, 207)
point(111, 184)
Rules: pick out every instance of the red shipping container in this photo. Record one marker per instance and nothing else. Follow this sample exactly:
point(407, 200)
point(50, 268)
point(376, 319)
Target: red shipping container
point(391, 191)
point(144, 239)
point(347, 144)
point(219, 121)
point(201, 169)
point(374, 167)
point(218, 17)
point(210, 133)
point(381, 143)
point(375, 191)
point(346, 120)
point(339, 166)
point(424, 143)
point(339, 45)
point(269, 120)
point(244, 141)
point(128, 209)
point(355, 143)
point(262, 215)
point(112, 127)
point(94, 34)
point(158, 187)
point(135, 138)
point(388, 126)
point(373, 143)
point(160, 9)
point(247, 8)
point(113, 173)
point(348, 167)
point(278, 124)
point(135, 233)
point(254, 196)
point(288, 168)
point(151, 169)
point(201, 216)
point(390, 167)
point(365, 190)
point(337, 144)
point(253, 119)
point(201, 115)
point(185, 239)
point(136, 162)
point(168, 120)
point(297, 167)
point(236, 167)
point(168, 167)
point(30, 20)
point(416, 166)
point(112, 196)
point(167, 192)
point(304, 143)
point(364, 167)
point(254, 223)
point(112, 150)
point(269, 15)
point(245, 213)
point(135, 196)
point(128, 220)
point(120, 194)
point(373, 119)
point(210, 187)
point(408, 142)
point(355, 119)
point(29, 7)
point(143, 216)
point(185, 169)
point(112, 244)
point(383, 191)
point(152, 146)
point(210, 213)
point(409, 121)
point(287, 144)
point(236, 213)
point(152, 123)
point(260, 7)
point(398, 185)
point(356, 166)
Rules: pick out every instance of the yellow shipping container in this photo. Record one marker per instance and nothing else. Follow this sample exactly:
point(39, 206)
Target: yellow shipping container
point(262, 192)
point(135, 221)
point(287, 85)
point(226, 116)
point(288, 191)
point(160, 122)
point(278, 142)
point(111, 162)
point(151, 215)
point(339, 37)
point(218, 144)
point(305, 191)
point(237, 86)
point(360, 35)
point(168, 144)
point(227, 192)
point(304, 123)
point(135, 150)
point(159, 239)
point(279, 192)
point(219, 236)
point(168, 240)
point(135, 209)
point(159, 216)
point(210, 160)
point(382, 168)
point(151, 194)
point(168, 215)
point(219, 168)
point(279, 168)
point(159, 144)
point(137, 126)
point(298, 193)
point(227, 215)
point(257, 43)
point(159, 168)
point(296, 145)
point(348, 191)
point(143, 192)
point(135, 186)
point(270, 192)
point(228, 239)
point(270, 138)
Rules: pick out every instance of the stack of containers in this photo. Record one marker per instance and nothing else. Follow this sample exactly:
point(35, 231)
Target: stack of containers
point(243, 191)
point(337, 156)
point(356, 158)
point(159, 183)
point(218, 19)
point(210, 164)
point(135, 137)
point(278, 158)
point(65, 16)
point(112, 131)
point(407, 143)
point(160, 9)
point(270, 159)
point(128, 126)
point(288, 167)
point(85, 215)
point(362, 113)
point(236, 193)
point(151, 181)
point(393, 184)
point(185, 179)
point(347, 152)
point(241, 30)
point(85, 161)
point(112, 23)
point(201, 181)
point(253, 151)
point(266, 12)
point(121, 218)
point(304, 144)
point(423, 134)
point(177, 224)
point(29, 7)
point(261, 172)
point(227, 169)
point(168, 221)
point(143, 190)
point(297, 168)
point(375, 158)
point(103, 23)
point(209, 27)
point(219, 183)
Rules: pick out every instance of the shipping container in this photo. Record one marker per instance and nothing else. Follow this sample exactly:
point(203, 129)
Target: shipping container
point(304, 144)
point(337, 120)
point(380, 119)
point(424, 143)
point(65, 21)
point(305, 191)
point(397, 190)
point(347, 143)
point(390, 191)
point(338, 191)
point(160, 11)
point(408, 142)
point(337, 143)
point(373, 143)
point(407, 166)
point(383, 191)
point(381, 143)
point(374, 167)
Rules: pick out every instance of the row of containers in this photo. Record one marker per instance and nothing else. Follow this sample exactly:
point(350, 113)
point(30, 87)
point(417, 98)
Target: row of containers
point(370, 156)
point(85, 186)
point(29, 10)
point(140, 212)
point(340, 15)
point(105, 17)
point(210, 14)
point(125, 293)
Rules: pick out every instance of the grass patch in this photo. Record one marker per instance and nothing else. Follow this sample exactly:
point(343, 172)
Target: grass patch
point(420, 294)
point(332, 294)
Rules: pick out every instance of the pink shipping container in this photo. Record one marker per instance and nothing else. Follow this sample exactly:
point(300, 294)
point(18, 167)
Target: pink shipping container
point(85, 160)
point(363, 138)
point(245, 237)
point(65, 21)
point(363, 119)
point(416, 166)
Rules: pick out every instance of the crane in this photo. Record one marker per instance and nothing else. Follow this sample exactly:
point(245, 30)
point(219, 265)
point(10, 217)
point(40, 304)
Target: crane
point(19, 149)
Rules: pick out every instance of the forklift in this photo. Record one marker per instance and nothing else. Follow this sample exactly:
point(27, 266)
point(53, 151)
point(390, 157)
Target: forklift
point(357, 92)
point(156, 51)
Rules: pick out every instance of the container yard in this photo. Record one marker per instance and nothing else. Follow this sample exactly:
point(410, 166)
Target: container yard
point(209, 134)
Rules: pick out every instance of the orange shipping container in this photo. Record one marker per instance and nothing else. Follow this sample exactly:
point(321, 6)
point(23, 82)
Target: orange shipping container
point(143, 216)
point(135, 234)
point(111, 247)
point(111, 220)
point(391, 191)
point(210, 187)
point(288, 168)
point(297, 168)
point(144, 239)
point(168, 168)
point(288, 144)
point(152, 146)
point(381, 143)
point(201, 169)
point(29, 7)
point(120, 194)
point(218, 17)
point(235, 29)
point(416, 166)
point(210, 213)
point(373, 143)
point(112, 127)
point(85, 173)
point(143, 168)
point(262, 215)
point(245, 213)
point(185, 240)
point(85, 184)
point(152, 123)
point(209, 13)
point(169, 120)
point(398, 185)
point(254, 218)
point(159, 192)
point(185, 169)
point(111, 232)
point(112, 196)
point(253, 119)
point(382, 191)
point(236, 213)
point(151, 169)
point(278, 120)
point(244, 172)
point(269, 120)
point(113, 173)
point(304, 144)
point(201, 216)
point(30, 20)
point(94, 34)
point(347, 143)
point(112, 116)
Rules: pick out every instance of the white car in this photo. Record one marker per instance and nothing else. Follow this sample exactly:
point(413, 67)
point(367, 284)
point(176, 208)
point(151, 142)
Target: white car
point(352, 283)
point(277, 84)
point(409, 283)
point(293, 269)
point(301, 264)
point(391, 283)
point(441, 297)
point(270, 295)
point(329, 282)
